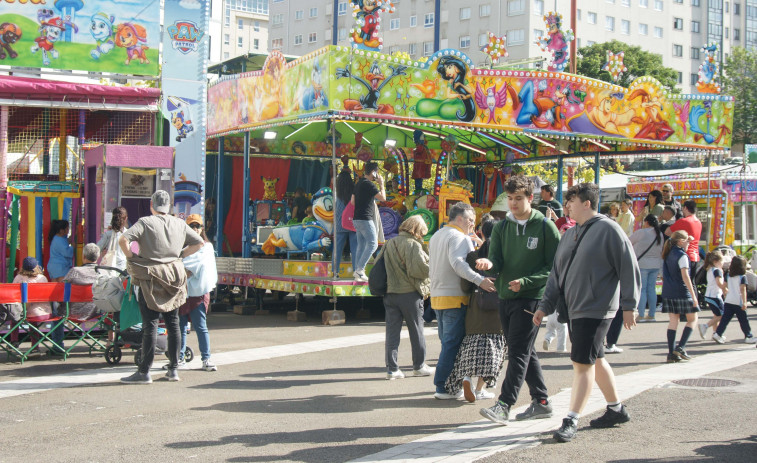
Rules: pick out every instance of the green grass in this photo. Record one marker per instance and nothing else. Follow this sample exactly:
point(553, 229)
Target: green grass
point(74, 56)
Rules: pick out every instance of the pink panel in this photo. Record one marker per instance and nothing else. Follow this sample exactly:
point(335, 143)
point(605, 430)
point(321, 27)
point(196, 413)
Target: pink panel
point(143, 156)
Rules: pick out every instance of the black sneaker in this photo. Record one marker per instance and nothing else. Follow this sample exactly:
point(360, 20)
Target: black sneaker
point(137, 378)
point(567, 431)
point(611, 418)
point(535, 411)
point(680, 352)
point(172, 375)
point(672, 358)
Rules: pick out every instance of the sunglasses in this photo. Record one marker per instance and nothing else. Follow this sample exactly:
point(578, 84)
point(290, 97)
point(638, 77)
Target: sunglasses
point(195, 226)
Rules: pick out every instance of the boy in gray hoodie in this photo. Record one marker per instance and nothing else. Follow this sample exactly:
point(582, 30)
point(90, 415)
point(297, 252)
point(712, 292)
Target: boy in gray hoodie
point(603, 275)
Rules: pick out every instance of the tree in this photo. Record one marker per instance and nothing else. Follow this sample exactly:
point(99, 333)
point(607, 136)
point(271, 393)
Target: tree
point(740, 82)
point(639, 63)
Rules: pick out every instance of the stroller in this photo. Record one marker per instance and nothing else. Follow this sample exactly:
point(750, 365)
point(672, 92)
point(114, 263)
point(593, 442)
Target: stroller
point(109, 295)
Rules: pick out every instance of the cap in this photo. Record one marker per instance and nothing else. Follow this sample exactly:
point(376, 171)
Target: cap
point(500, 204)
point(30, 263)
point(194, 218)
point(161, 201)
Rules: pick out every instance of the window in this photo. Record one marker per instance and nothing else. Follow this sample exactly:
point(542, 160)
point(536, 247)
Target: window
point(610, 1)
point(226, 55)
point(428, 48)
point(278, 19)
point(626, 3)
point(240, 43)
point(592, 18)
point(256, 44)
point(693, 79)
point(413, 49)
point(678, 23)
point(465, 41)
point(694, 2)
point(695, 26)
point(413, 21)
point(428, 20)
point(737, 9)
point(658, 32)
point(515, 7)
point(677, 50)
point(694, 53)
point(625, 26)
point(464, 13)
point(277, 44)
point(736, 34)
point(590, 43)
point(644, 3)
point(726, 32)
point(312, 37)
point(609, 23)
point(516, 37)
point(227, 15)
point(680, 77)
point(658, 5)
point(298, 39)
point(256, 26)
point(482, 40)
point(538, 33)
point(226, 39)
point(341, 10)
point(485, 10)
point(539, 7)
point(299, 14)
point(727, 4)
point(680, 2)
point(643, 29)
point(314, 12)
point(394, 24)
point(240, 24)
point(342, 33)
point(578, 14)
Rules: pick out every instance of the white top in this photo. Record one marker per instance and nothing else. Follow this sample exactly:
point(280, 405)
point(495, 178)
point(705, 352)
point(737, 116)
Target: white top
point(734, 290)
point(713, 290)
point(683, 262)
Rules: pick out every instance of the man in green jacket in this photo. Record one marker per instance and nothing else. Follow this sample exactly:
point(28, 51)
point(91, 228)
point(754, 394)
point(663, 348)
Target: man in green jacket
point(522, 249)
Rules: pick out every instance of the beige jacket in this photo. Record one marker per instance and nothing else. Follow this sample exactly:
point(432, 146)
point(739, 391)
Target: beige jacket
point(164, 286)
point(406, 265)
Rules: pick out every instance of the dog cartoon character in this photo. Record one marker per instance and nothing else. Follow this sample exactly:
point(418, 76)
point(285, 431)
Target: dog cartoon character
point(308, 236)
point(50, 30)
point(9, 34)
point(183, 126)
point(269, 188)
point(132, 37)
point(101, 27)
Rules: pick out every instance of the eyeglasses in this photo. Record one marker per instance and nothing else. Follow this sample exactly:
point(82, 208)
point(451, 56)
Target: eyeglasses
point(666, 191)
point(195, 226)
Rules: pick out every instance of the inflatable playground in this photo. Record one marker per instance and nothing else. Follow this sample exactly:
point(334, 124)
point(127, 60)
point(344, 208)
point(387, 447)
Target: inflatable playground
point(442, 130)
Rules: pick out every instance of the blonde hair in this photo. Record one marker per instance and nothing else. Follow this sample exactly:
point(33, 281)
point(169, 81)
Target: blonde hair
point(415, 225)
point(30, 273)
point(674, 238)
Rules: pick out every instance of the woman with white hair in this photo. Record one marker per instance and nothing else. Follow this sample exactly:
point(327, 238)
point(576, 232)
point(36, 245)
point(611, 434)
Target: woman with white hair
point(84, 275)
point(408, 285)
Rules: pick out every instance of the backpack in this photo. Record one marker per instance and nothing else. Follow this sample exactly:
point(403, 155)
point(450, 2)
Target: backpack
point(377, 277)
point(108, 289)
point(700, 276)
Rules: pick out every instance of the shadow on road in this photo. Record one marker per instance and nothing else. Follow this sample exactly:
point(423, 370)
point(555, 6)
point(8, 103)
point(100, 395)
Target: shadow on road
point(732, 451)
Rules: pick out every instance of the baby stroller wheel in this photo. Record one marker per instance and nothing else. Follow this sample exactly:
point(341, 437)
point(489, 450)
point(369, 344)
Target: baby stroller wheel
point(138, 357)
point(189, 354)
point(113, 355)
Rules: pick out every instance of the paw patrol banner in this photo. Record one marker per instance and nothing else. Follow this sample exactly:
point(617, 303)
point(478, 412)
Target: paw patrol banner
point(185, 51)
point(118, 36)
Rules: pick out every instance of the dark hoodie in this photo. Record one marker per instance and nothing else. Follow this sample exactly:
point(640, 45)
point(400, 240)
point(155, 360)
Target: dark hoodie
point(523, 252)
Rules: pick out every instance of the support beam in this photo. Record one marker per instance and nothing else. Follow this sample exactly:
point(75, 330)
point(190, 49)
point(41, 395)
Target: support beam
point(246, 199)
point(219, 198)
point(559, 178)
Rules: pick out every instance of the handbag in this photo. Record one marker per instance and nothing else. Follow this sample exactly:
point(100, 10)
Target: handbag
point(109, 259)
point(347, 214)
point(562, 307)
point(484, 300)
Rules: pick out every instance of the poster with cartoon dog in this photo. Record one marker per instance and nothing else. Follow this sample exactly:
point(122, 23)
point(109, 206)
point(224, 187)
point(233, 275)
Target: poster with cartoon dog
point(117, 36)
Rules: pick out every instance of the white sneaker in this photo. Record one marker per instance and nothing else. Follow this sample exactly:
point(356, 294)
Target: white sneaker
point(395, 375)
point(703, 329)
point(545, 344)
point(359, 276)
point(613, 349)
point(718, 338)
point(207, 366)
point(445, 396)
point(750, 340)
point(484, 394)
point(563, 351)
point(424, 370)
point(182, 365)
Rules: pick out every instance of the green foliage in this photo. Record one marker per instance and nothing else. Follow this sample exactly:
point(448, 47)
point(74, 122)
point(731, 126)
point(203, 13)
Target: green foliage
point(639, 63)
point(548, 172)
point(740, 82)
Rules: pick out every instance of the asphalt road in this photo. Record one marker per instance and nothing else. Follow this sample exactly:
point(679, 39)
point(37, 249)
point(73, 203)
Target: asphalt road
point(287, 391)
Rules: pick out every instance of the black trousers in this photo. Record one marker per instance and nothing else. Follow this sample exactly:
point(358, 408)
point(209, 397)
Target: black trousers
point(150, 320)
point(523, 363)
point(615, 328)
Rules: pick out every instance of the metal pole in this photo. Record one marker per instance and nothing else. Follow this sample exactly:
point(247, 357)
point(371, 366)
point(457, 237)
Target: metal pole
point(3, 185)
point(219, 198)
point(334, 270)
point(559, 178)
point(573, 24)
point(246, 199)
point(62, 145)
point(437, 24)
point(709, 211)
point(335, 26)
point(596, 176)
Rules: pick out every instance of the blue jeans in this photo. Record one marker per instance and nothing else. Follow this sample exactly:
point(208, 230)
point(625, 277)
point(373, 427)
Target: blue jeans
point(451, 329)
point(341, 240)
point(200, 326)
point(367, 242)
point(648, 293)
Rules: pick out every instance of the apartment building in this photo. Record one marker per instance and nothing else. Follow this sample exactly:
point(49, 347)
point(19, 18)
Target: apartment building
point(675, 29)
point(238, 27)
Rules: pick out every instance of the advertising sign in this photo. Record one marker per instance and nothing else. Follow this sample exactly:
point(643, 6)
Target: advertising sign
point(117, 36)
point(135, 185)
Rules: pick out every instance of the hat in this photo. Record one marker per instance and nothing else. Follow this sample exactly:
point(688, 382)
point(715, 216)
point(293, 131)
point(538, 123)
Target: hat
point(500, 204)
point(161, 201)
point(30, 263)
point(194, 218)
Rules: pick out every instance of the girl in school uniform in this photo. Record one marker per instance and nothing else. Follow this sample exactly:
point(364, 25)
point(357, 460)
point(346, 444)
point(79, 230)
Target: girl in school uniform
point(735, 302)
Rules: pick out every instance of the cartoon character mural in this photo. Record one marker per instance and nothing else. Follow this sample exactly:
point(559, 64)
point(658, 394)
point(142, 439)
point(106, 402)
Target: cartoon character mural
point(493, 98)
point(181, 115)
point(9, 34)
point(101, 26)
point(544, 110)
point(653, 124)
point(309, 236)
point(315, 96)
point(458, 103)
point(368, 22)
point(50, 30)
point(709, 70)
point(701, 128)
point(374, 81)
point(269, 102)
point(132, 37)
point(556, 42)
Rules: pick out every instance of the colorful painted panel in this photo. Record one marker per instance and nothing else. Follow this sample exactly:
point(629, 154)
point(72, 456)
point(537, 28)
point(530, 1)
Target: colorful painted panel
point(118, 36)
point(446, 90)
